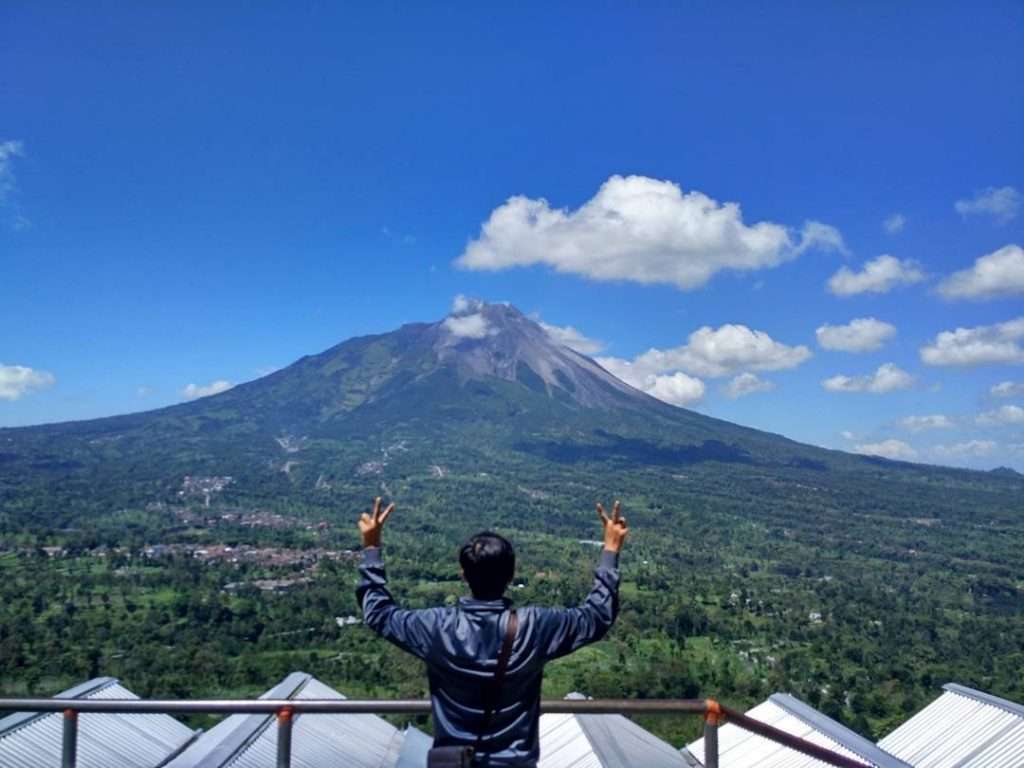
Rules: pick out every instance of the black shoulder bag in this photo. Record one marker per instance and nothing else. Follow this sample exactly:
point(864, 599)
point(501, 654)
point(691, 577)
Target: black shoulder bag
point(462, 756)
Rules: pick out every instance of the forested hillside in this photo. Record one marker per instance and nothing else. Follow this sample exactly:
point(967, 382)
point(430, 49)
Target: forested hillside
point(207, 549)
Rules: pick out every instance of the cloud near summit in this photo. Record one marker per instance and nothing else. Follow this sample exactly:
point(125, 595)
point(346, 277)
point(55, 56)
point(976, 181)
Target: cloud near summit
point(668, 374)
point(720, 351)
point(473, 326)
point(639, 229)
point(568, 336)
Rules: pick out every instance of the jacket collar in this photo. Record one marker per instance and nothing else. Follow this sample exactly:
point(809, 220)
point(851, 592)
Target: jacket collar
point(484, 606)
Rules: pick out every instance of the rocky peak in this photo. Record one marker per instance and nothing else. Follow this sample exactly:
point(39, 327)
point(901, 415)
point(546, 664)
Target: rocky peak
point(498, 340)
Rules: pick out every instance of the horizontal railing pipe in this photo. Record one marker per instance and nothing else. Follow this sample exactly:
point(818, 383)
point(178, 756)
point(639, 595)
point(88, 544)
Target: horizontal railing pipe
point(334, 706)
point(288, 709)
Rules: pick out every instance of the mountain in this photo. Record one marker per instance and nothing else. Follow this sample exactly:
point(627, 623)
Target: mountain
point(484, 390)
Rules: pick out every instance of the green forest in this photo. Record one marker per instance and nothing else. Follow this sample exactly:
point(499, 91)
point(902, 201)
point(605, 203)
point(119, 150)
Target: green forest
point(859, 598)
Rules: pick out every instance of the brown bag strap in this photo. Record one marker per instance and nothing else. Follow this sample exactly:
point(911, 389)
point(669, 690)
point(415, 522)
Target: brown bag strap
point(511, 627)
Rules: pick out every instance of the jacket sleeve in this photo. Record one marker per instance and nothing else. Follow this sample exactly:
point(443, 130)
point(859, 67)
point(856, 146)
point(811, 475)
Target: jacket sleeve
point(411, 631)
point(564, 631)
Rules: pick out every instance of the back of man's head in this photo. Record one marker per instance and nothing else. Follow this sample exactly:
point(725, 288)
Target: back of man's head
point(488, 562)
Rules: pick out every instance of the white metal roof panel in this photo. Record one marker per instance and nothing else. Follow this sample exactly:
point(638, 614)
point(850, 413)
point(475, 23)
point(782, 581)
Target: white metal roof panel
point(738, 748)
point(104, 740)
point(564, 745)
point(601, 741)
point(963, 728)
point(250, 741)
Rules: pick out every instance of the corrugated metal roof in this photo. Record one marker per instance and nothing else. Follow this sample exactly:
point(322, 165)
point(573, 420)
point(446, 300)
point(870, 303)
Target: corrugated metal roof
point(30, 740)
point(602, 741)
point(963, 728)
point(250, 741)
point(738, 748)
point(415, 745)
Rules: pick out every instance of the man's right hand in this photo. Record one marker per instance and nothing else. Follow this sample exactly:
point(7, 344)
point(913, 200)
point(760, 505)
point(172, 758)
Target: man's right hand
point(370, 526)
point(615, 530)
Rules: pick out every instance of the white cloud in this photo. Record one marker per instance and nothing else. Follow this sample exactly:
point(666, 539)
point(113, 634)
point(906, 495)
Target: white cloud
point(889, 449)
point(887, 378)
point(921, 423)
point(195, 391)
point(462, 305)
point(1004, 415)
point(895, 223)
point(398, 237)
point(18, 380)
point(1000, 273)
point(709, 352)
point(747, 384)
point(879, 275)
point(473, 326)
point(969, 448)
point(1008, 389)
point(8, 151)
point(864, 334)
point(144, 391)
point(999, 343)
point(568, 336)
point(1002, 203)
point(623, 369)
point(640, 229)
point(675, 389)
point(847, 435)
point(719, 352)
point(814, 234)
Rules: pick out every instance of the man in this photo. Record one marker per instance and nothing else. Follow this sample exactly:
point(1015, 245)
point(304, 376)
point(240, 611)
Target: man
point(461, 644)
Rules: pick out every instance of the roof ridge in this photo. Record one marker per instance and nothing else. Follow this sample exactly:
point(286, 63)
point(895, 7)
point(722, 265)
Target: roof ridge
point(17, 720)
point(597, 734)
point(986, 698)
point(89, 686)
point(605, 734)
point(244, 734)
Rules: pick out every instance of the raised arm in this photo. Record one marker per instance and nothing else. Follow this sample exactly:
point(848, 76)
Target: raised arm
point(564, 631)
point(411, 631)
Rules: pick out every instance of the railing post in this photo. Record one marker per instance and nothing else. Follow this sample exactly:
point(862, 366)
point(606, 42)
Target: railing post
point(69, 751)
point(712, 718)
point(284, 738)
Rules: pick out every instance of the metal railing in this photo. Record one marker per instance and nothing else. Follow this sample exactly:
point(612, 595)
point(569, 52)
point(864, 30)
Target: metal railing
point(286, 710)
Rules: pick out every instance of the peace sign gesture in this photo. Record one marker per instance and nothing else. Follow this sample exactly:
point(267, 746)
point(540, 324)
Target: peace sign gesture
point(615, 530)
point(370, 526)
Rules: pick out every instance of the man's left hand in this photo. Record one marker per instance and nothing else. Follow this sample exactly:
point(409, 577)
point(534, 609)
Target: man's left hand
point(371, 525)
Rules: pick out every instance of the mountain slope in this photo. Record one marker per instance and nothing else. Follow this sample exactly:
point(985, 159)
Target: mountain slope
point(484, 388)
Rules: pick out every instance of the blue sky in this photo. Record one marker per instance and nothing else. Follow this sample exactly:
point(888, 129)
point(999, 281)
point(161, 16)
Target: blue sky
point(192, 195)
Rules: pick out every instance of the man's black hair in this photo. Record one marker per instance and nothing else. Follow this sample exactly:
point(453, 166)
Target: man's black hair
point(488, 561)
